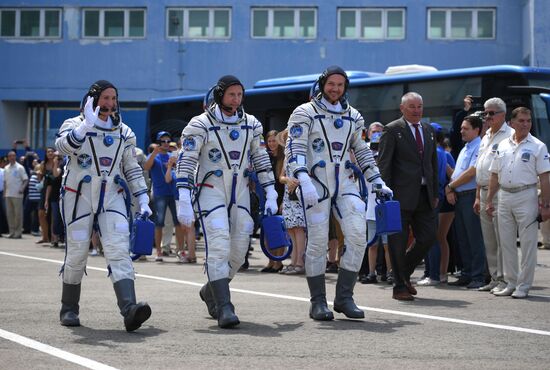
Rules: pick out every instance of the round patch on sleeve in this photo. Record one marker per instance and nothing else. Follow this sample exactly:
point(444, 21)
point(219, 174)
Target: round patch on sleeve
point(189, 143)
point(296, 131)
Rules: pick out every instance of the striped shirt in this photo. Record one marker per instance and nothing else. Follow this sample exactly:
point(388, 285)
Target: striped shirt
point(34, 193)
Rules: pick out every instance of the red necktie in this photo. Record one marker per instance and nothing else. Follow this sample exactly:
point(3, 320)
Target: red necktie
point(418, 137)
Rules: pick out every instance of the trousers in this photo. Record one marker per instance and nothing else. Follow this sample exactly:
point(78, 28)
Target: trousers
point(517, 214)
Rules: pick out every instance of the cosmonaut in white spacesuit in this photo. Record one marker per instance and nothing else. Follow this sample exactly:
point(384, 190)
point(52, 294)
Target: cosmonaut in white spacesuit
point(322, 133)
point(219, 147)
point(101, 165)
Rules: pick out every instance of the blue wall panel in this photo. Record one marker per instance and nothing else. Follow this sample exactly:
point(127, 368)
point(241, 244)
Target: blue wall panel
point(62, 70)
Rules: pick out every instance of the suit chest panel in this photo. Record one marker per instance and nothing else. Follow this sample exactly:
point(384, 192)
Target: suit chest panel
point(330, 135)
point(102, 150)
point(228, 145)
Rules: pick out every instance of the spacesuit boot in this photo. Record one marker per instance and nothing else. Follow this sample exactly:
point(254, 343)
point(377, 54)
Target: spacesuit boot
point(134, 314)
point(226, 311)
point(69, 305)
point(208, 298)
point(319, 308)
point(343, 303)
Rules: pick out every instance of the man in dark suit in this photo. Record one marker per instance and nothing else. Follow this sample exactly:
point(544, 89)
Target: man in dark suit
point(408, 164)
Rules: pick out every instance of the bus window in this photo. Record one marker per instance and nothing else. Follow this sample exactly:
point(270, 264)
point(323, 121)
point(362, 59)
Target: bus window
point(443, 98)
point(274, 109)
point(377, 103)
point(541, 124)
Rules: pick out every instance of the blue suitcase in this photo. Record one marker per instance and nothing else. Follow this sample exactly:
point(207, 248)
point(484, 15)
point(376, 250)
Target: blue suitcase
point(388, 217)
point(142, 237)
point(275, 232)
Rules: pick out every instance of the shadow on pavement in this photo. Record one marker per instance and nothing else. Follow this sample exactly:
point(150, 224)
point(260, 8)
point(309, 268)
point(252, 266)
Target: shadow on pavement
point(375, 326)
point(429, 302)
point(110, 337)
point(254, 329)
point(538, 298)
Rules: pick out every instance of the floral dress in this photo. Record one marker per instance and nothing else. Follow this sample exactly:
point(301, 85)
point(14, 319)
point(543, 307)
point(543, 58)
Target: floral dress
point(293, 212)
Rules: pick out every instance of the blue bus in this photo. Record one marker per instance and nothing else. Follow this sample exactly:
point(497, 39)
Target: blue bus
point(377, 97)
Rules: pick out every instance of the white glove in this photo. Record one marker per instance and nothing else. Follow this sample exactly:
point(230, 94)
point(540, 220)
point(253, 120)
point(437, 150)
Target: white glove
point(384, 190)
point(271, 200)
point(90, 118)
point(143, 201)
point(308, 190)
point(186, 216)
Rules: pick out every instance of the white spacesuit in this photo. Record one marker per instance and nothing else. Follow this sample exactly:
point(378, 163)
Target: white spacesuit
point(101, 162)
point(224, 147)
point(321, 135)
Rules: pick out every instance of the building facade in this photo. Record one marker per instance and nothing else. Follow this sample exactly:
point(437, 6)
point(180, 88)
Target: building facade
point(51, 53)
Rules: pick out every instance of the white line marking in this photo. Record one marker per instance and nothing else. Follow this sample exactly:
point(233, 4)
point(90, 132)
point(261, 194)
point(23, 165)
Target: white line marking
point(300, 299)
point(67, 356)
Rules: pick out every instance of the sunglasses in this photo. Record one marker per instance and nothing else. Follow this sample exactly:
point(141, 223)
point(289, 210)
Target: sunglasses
point(490, 113)
point(165, 141)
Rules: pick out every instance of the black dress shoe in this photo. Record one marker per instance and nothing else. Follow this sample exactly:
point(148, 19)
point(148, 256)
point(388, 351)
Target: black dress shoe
point(267, 269)
point(410, 288)
point(460, 282)
point(402, 296)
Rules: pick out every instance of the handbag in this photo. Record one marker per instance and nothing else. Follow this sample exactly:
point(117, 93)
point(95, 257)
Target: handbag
point(293, 195)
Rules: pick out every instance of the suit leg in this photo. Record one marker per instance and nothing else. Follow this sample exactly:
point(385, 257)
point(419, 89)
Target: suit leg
point(397, 245)
point(424, 226)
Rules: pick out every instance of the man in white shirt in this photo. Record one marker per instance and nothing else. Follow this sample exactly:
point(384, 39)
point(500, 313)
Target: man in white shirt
point(15, 181)
point(499, 130)
point(521, 160)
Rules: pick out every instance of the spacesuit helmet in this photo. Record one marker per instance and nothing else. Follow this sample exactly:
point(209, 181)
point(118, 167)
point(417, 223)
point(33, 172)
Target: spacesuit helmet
point(222, 85)
point(214, 96)
point(317, 89)
point(332, 70)
point(95, 91)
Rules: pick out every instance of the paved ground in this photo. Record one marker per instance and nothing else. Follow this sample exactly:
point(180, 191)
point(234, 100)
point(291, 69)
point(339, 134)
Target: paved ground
point(444, 328)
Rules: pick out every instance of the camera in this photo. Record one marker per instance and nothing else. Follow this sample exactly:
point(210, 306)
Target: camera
point(477, 102)
point(375, 140)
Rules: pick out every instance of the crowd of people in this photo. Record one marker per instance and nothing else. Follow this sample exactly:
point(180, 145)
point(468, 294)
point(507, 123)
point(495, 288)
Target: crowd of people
point(461, 215)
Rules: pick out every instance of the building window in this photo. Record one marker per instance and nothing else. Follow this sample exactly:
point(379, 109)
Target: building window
point(30, 23)
point(461, 24)
point(281, 23)
point(114, 23)
point(196, 23)
point(371, 24)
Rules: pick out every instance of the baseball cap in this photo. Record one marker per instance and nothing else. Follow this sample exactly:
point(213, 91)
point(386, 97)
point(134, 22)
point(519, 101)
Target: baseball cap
point(163, 133)
point(436, 126)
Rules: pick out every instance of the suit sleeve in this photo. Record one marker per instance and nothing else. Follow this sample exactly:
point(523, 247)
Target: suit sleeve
point(193, 137)
point(259, 156)
point(67, 143)
point(361, 150)
point(386, 150)
point(299, 126)
point(130, 167)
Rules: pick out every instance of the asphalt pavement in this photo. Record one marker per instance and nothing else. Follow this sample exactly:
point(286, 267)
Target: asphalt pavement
point(445, 327)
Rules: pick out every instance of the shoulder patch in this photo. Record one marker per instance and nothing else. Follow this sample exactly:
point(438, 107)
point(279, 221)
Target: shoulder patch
point(296, 131)
point(189, 143)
